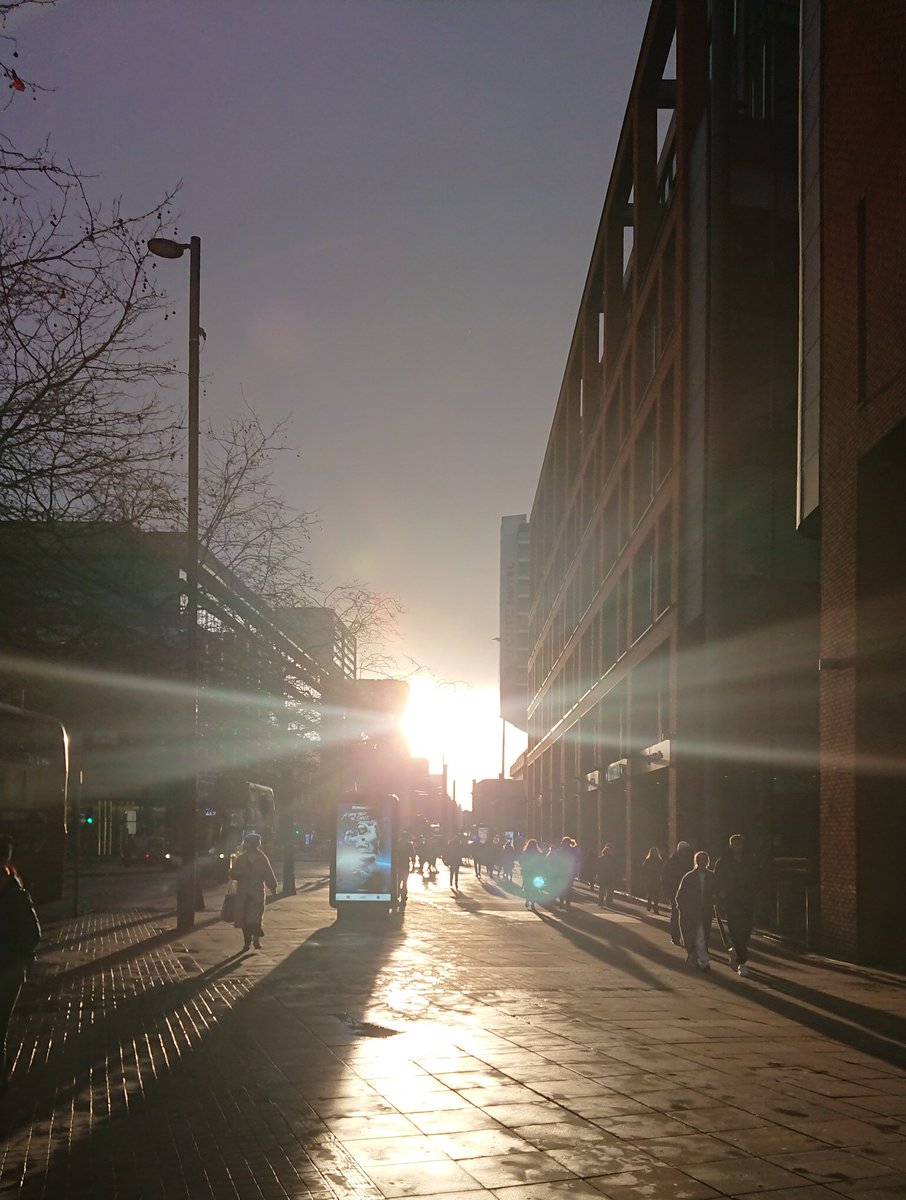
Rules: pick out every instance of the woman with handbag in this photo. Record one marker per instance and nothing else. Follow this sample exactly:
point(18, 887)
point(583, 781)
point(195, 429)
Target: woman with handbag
point(253, 874)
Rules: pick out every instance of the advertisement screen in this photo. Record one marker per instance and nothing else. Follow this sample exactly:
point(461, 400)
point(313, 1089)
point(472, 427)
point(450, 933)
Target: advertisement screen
point(364, 845)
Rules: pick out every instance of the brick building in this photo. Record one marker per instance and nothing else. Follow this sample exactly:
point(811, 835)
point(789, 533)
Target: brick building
point(673, 623)
point(499, 804)
point(853, 455)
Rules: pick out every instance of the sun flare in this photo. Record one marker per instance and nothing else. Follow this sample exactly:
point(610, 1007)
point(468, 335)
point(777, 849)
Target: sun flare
point(459, 726)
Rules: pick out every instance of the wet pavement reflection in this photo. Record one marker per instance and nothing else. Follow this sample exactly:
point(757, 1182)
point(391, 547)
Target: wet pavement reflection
point(471, 1049)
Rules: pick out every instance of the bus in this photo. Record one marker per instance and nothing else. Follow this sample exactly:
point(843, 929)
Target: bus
point(34, 769)
point(228, 810)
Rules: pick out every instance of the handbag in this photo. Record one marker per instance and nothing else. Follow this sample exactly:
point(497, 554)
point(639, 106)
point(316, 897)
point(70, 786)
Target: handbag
point(228, 907)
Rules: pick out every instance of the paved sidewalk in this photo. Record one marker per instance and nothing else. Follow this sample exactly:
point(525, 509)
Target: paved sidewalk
point(480, 1050)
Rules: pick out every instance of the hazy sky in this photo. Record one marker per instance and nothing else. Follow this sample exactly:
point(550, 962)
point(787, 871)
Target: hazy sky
point(397, 201)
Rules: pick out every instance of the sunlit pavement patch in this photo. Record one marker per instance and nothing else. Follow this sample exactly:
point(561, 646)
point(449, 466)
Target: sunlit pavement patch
point(516, 1062)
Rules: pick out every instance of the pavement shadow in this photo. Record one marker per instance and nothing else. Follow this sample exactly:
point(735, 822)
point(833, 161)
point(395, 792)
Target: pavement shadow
point(610, 943)
point(864, 1027)
point(67, 943)
point(53, 984)
point(314, 885)
point(882, 1021)
point(217, 1073)
point(218, 1049)
point(871, 1030)
point(498, 887)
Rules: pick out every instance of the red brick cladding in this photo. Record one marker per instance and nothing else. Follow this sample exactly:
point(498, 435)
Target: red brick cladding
point(863, 186)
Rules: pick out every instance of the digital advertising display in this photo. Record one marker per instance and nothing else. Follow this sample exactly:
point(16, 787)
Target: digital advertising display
point(364, 846)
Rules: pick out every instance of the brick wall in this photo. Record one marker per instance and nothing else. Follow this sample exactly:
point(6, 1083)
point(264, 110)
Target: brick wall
point(863, 398)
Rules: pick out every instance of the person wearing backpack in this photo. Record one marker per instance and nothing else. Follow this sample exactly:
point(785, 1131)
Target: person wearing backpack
point(20, 933)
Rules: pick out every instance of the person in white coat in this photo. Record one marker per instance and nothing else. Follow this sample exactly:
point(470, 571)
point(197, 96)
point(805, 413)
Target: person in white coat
point(253, 874)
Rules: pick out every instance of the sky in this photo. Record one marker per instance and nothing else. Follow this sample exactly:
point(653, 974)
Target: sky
point(397, 201)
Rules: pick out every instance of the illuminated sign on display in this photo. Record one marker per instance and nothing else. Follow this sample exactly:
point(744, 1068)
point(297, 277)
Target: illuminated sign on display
point(364, 846)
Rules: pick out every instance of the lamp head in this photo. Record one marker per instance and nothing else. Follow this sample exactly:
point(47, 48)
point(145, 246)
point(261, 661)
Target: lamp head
point(166, 247)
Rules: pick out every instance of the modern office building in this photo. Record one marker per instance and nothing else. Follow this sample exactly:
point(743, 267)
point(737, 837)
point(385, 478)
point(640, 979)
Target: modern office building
point(852, 460)
point(514, 622)
point(673, 625)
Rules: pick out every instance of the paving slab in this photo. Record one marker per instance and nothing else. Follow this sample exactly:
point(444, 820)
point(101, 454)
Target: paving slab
point(472, 1049)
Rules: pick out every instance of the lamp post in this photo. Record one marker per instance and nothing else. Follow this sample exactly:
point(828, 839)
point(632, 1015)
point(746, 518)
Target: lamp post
point(186, 887)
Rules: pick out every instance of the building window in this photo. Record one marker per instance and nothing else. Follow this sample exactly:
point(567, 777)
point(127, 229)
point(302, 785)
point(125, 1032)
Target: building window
point(643, 471)
point(610, 534)
point(611, 436)
point(861, 306)
point(643, 589)
point(667, 180)
point(664, 560)
point(625, 507)
point(668, 290)
point(626, 406)
point(609, 641)
point(621, 614)
point(665, 430)
point(647, 350)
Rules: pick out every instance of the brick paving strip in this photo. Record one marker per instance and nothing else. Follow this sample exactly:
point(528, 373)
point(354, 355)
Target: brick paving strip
point(479, 1051)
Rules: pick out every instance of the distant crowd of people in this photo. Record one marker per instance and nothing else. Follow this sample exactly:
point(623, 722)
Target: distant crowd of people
point(495, 857)
point(695, 892)
point(684, 882)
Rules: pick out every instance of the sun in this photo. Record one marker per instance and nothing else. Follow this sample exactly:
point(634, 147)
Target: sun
point(460, 726)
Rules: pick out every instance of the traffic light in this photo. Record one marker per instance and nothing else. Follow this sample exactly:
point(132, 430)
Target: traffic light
point(87, 817)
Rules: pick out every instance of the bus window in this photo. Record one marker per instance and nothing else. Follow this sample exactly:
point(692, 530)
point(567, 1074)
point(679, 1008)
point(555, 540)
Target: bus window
point(33, 774)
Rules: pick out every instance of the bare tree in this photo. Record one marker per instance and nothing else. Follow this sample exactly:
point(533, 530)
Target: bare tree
point(81, 422)
point(256, 531)
point(372, 618)
point(80, 417)
point(245, 520)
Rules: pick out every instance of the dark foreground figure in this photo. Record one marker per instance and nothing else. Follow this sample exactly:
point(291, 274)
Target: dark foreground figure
point(20, 934)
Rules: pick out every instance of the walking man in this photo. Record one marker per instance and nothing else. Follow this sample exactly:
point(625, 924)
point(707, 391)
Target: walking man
point(675, 868)
point(606, 875)
point(736, 882)
point(695, 901)
point(454, 861)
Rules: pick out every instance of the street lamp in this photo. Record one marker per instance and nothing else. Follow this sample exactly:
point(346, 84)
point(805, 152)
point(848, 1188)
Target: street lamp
point(186, 883)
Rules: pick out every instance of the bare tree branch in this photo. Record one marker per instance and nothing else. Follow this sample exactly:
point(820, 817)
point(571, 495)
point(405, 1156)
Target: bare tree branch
point(372, 617)
point(78, 368)
point(247, 523)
